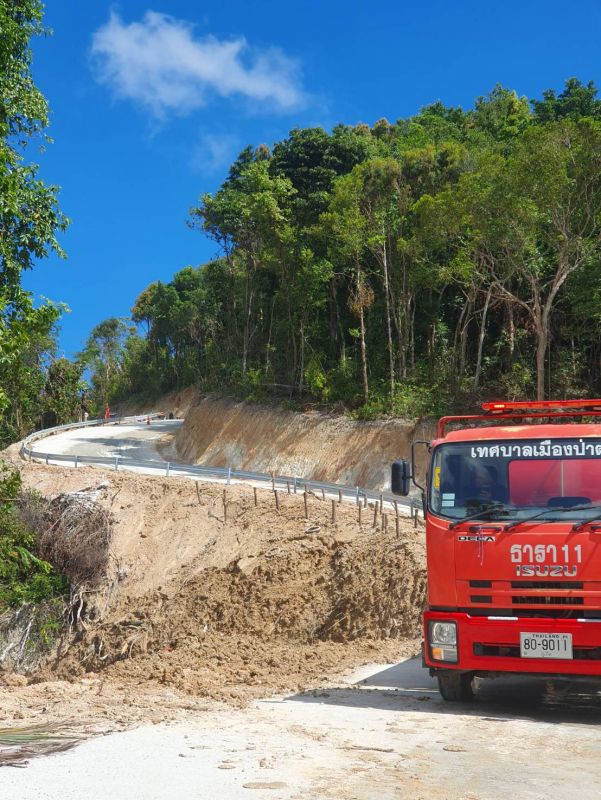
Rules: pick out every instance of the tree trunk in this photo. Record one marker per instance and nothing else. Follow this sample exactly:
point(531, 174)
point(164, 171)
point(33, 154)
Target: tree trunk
point(541, 352)
point(363, 356)
point(248, 302)
point(362, 337)
point(268, 346)
point(301, 378)
point(388, 322)
point(481, 338)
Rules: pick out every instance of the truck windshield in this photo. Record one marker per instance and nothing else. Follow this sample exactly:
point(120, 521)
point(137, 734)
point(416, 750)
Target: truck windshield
point(515, 479)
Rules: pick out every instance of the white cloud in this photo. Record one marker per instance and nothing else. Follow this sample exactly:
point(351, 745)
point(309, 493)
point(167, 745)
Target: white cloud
point(159, 63)
point(214, 153)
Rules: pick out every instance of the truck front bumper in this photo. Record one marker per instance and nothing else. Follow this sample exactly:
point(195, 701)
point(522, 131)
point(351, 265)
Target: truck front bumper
point(488, 644)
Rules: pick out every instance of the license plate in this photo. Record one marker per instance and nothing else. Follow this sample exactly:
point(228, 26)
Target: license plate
point(546, 645)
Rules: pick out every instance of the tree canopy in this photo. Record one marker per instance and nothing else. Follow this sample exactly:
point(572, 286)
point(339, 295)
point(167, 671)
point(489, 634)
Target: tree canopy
point(406, 267)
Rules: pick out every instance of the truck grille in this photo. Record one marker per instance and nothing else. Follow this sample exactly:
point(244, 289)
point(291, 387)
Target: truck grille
point(547, 585)
point(543, 600)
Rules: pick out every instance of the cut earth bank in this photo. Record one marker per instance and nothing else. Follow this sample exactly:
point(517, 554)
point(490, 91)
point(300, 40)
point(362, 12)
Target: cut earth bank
point(222, 432)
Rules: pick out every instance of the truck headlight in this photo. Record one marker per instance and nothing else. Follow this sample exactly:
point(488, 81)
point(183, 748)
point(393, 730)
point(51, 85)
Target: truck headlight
point(443, 633)
point(442, 638)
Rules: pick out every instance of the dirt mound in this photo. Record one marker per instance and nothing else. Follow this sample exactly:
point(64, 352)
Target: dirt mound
point(237, 605)
point(272, 621)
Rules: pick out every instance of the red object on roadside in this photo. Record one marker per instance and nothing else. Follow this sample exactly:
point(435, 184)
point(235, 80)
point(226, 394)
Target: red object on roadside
point(107, 411)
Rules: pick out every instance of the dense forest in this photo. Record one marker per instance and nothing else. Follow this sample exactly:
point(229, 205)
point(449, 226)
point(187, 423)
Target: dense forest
point(402, 268)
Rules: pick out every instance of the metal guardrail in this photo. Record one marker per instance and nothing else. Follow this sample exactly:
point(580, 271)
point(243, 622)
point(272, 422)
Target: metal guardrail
point(292, 484)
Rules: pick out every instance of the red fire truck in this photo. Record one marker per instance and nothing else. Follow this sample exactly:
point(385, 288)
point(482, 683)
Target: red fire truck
point(512, 506)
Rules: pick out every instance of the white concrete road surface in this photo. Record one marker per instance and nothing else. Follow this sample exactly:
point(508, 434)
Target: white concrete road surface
point(135, 440)
point(383, 734)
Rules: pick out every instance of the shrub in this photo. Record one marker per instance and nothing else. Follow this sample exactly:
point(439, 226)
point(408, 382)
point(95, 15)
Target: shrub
point(24, 577)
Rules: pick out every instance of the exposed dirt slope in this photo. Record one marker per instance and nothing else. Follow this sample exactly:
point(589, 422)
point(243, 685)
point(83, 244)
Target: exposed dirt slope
point(232, 609)
point(221, 432)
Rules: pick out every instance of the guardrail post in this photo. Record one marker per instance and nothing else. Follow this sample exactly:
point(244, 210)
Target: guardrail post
point(76, 461)
point(229, 475)
point(46, 458)
point(357, 495)
point(167, 469)
point(340, 495)
point(364, 499)
point(333, 511)
point(294, 485)
point(116, 463)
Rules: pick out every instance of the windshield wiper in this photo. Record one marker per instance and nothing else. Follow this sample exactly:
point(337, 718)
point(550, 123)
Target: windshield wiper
point(578, 526)
point(550, 510)
point(486, 510)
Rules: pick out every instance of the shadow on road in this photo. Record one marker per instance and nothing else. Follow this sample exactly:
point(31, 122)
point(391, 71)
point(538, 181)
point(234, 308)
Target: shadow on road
point(408, 687)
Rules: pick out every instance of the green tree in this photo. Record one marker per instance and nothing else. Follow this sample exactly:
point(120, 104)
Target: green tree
point(103, 355)
point(577, 100)
point(251, 219)
point(29, 219)
point(64, 391)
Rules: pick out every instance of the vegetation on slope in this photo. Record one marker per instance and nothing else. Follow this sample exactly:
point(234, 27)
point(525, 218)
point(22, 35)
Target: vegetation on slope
point(403, 268)
point(24, 577)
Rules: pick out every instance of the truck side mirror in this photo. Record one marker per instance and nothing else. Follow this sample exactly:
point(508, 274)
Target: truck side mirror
point(400, 477)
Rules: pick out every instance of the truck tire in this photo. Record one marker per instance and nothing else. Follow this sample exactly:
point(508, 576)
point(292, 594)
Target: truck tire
point(456, 687)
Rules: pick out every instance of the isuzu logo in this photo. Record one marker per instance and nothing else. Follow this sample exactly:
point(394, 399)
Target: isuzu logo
point(546, 571)
point(546, 560)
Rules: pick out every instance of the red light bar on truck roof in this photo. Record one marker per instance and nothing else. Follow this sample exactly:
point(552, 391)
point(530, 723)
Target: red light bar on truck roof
point(526, 409)
point(503, 407)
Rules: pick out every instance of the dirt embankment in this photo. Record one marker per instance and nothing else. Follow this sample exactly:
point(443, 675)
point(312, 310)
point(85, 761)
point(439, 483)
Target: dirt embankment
point(200, 606)
point(313, 445)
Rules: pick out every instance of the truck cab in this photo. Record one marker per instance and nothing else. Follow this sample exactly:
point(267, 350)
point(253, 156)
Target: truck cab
point(512, 507)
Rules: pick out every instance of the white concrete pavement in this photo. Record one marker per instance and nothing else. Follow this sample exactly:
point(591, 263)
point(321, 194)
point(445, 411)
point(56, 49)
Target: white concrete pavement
point(384, 733)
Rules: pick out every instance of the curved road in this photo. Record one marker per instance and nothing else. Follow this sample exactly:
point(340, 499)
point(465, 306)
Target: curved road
point(135, 440)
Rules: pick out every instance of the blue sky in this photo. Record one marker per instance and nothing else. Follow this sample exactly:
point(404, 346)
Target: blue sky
point(152, 100)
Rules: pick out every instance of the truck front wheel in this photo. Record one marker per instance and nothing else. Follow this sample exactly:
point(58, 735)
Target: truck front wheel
point(456, 687)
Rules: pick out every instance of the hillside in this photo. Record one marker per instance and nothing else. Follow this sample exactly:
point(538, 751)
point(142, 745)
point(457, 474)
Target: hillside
point(223, 432)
